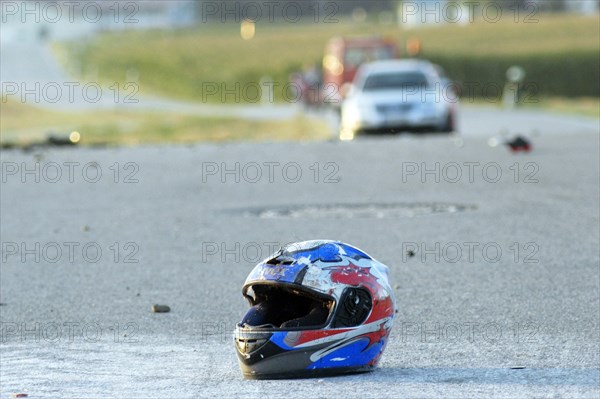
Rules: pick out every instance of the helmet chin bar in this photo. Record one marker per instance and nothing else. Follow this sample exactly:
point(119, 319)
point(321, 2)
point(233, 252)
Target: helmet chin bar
point(262, 359)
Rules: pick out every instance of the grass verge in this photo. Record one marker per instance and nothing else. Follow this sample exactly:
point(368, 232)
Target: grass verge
point(22, 124)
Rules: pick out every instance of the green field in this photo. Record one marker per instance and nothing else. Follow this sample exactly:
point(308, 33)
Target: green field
point(560, 53)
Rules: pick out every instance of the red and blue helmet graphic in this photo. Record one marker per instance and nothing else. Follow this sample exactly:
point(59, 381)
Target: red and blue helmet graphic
point(317, 307)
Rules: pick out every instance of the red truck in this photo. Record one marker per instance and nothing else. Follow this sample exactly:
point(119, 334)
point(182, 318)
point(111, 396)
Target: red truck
point(343, 57)
point(325, 84)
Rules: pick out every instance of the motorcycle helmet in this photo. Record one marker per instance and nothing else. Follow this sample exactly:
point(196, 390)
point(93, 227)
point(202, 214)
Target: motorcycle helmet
point(316, 308)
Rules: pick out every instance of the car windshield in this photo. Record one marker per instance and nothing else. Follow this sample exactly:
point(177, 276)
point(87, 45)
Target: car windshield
point(395, 81)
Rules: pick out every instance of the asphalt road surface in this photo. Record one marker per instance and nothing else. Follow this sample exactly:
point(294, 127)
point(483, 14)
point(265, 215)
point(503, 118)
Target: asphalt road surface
point(500, 299)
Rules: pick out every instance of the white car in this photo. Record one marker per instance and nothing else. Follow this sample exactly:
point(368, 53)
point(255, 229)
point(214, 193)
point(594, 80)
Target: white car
point(398, 95)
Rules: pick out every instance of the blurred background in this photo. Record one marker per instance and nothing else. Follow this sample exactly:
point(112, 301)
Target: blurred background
point(127, 72)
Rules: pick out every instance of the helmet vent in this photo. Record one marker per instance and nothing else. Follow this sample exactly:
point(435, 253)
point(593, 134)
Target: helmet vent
point(281, 260)
point(247, 346)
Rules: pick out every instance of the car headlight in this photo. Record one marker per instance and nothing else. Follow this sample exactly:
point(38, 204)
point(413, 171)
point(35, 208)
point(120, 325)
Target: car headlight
point(350, 114)
point(356, 114)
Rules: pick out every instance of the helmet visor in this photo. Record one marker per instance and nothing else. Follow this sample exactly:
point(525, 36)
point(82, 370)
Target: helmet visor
point(279, 306)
